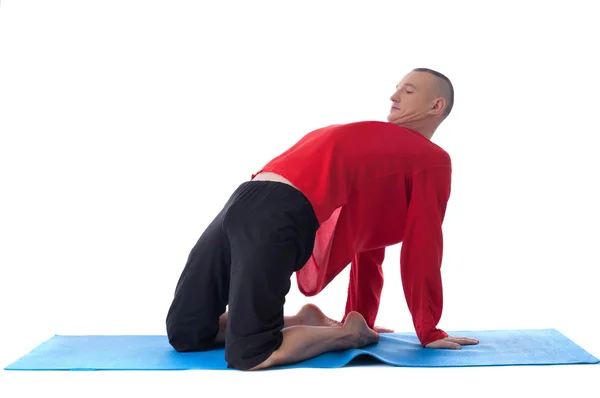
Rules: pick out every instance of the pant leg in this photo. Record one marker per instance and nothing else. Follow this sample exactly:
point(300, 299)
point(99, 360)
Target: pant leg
point(202, 291)
point(271, 232)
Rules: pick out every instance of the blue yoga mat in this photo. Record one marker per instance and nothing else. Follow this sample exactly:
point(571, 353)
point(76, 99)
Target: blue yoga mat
point(495, 348)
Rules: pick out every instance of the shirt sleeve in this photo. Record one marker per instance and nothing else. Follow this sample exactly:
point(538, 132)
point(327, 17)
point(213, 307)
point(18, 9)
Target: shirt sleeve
point(422, 248)
point(366, 284)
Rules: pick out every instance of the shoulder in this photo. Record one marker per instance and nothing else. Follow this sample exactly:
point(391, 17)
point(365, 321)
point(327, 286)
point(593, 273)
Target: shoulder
point(444, 157)
point(368, 125)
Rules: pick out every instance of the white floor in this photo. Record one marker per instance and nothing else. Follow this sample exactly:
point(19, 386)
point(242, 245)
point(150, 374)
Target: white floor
point(572, 381)
point(370, 380)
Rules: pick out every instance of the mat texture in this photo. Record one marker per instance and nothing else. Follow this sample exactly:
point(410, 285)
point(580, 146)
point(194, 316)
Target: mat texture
point(496, 348)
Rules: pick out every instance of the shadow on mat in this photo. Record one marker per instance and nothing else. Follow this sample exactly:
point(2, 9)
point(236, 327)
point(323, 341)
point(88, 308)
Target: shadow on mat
point(365, 360)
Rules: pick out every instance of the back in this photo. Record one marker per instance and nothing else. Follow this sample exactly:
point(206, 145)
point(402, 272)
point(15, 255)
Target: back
point(352, 164)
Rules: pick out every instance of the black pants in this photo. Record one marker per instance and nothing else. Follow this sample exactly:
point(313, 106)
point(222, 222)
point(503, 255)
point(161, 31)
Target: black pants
point(245, 259)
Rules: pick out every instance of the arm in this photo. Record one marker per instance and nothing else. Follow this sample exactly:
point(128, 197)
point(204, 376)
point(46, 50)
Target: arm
point(366, 284)
point(422, 249)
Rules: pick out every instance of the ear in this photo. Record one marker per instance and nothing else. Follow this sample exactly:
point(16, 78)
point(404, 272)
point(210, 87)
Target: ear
point(438, 106)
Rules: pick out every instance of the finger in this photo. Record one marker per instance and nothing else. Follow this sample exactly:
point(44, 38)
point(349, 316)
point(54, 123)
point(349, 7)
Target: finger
point(444, 344)
point(462, 340)
point(451, 345)
point(467, 341)
point(383, 330)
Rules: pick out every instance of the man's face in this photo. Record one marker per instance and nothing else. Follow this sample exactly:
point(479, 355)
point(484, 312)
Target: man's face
point(413, 99)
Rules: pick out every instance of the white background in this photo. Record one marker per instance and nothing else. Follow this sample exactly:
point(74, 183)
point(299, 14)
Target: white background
point(125, 126)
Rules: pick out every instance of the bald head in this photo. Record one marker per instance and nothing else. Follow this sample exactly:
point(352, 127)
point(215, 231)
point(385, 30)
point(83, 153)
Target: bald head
point(422, 101)
point(442, 87)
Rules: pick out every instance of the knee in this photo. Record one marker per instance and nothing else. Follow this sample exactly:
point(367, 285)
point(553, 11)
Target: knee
point(186, 342)
point(178, 339)
point(188, 339)
point(180, 343)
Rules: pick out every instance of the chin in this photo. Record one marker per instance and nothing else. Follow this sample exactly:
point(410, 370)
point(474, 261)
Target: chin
point(394, 116)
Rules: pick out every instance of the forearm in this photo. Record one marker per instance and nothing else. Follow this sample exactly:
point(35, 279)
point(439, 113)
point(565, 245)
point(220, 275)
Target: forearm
point(422, 251)
point(365, 285)
point(422, 284)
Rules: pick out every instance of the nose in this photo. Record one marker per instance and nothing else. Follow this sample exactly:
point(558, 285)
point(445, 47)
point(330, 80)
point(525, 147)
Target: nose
point(395, 97)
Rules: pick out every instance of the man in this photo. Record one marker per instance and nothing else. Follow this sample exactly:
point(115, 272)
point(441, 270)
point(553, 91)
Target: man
point(338, 196)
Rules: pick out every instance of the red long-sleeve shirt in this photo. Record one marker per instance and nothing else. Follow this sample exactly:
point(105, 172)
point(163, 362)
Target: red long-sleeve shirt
point(372, 185)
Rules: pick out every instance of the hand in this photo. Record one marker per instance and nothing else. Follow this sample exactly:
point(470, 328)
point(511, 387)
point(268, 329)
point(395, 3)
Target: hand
point(383, 330)
point(453, 343)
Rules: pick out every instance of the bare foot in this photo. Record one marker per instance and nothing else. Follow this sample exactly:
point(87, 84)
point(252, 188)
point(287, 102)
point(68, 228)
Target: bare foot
point(362, 333)
point(311, 315)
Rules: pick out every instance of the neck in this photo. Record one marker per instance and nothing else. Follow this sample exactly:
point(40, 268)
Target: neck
point(425, 130)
